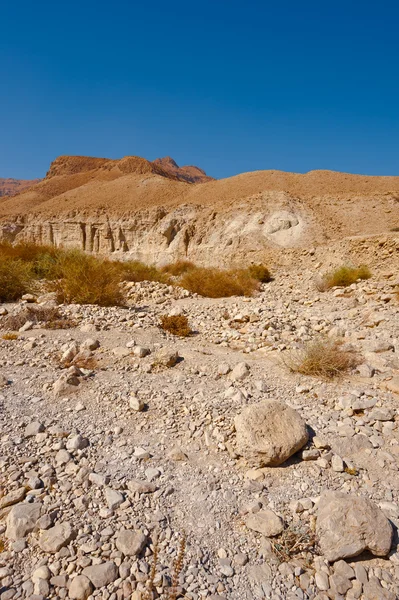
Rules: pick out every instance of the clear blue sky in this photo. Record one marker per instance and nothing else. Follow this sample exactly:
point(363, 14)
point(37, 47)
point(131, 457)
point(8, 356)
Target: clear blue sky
point(228, 85)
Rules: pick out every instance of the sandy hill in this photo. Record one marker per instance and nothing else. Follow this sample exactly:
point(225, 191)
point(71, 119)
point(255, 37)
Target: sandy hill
point(153, 211)
point(10, 187)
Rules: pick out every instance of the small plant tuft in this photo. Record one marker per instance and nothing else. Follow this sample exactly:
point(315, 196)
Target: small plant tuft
point(176, 324)
point(260, 273)
point(9, 336)
point(323, 358)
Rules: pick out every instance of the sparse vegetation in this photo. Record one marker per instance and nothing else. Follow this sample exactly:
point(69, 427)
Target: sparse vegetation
point(137, 271)
point(323, 358)
point(259, 272)
point(219, 283)
point(178, 268)
point(85, 279)
point(9, 336)
point(36, 314)
point(176, 324)
point(295, 541)
point(343, 276)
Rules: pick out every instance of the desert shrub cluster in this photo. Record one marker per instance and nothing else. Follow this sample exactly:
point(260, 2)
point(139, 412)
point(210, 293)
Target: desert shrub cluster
point(343, 276)
point(80, 278)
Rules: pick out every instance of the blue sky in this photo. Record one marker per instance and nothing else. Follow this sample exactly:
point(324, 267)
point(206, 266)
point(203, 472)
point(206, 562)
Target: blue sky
point(228, 85)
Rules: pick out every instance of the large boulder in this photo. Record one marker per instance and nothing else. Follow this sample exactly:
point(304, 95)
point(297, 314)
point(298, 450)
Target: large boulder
point(347, 525)
point(269, 432)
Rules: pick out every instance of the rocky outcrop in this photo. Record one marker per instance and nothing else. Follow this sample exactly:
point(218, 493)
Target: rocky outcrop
point(11, 187)
point(151, 211)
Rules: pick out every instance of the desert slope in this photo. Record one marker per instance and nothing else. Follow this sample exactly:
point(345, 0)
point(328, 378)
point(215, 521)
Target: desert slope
point(150, 211)
point(10, 186)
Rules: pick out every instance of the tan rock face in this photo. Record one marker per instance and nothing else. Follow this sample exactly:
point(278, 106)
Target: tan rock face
point(157, 212)
point(269, 433)
point(348, 524)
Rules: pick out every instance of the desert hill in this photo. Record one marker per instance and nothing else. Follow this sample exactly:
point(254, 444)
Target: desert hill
point(10, 186)
point(153, 212)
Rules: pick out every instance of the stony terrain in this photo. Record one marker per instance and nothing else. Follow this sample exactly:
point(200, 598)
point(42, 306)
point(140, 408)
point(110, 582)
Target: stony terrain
point(112, 449)
point(157, 213)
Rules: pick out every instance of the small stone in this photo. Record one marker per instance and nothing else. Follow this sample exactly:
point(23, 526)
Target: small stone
point(77, 442)
point(101, 575)
point(130, 543)
point(113, 498)
point(265, 522)
point(33, 429)
point(269, 432)
point(136, 404)
point(337, 464)
point(80, 588)
point(239, 372)
point(141, 352)
point(13, 497)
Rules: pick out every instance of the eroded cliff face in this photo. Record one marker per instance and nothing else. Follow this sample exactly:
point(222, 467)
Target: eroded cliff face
point(153, 212)
point(160, 235)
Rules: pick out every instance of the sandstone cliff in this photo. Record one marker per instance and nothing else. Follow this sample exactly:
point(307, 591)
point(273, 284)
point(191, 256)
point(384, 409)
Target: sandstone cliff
point(136, 209)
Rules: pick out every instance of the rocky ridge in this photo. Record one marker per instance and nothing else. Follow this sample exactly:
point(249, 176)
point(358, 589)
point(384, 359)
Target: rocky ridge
point(134, 209)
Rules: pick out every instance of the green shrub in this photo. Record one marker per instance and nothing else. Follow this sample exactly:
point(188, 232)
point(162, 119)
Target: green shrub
point(218, 283)
point(84, 279)
point(344, 276)
point(16, 279)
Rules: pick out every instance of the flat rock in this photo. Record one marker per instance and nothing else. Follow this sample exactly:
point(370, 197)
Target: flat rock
point(21, 520)
point(265, 522)
point(13, 497)
point(101, 575)
point(348, 524)
point(130, 543)
point(269, 432)
point(55, 538)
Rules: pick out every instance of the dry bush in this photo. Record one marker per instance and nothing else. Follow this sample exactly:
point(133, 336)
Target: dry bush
point(323, 358)
point(178, 268)
point(343, 276)
point(42, 259)
point(84, 279)
point(36, 314)
point(137, 271)
point(218, 283)
point(260, 273)
point(176, 324)
point(9, 336)
point(295, 542)
point(16, 279)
